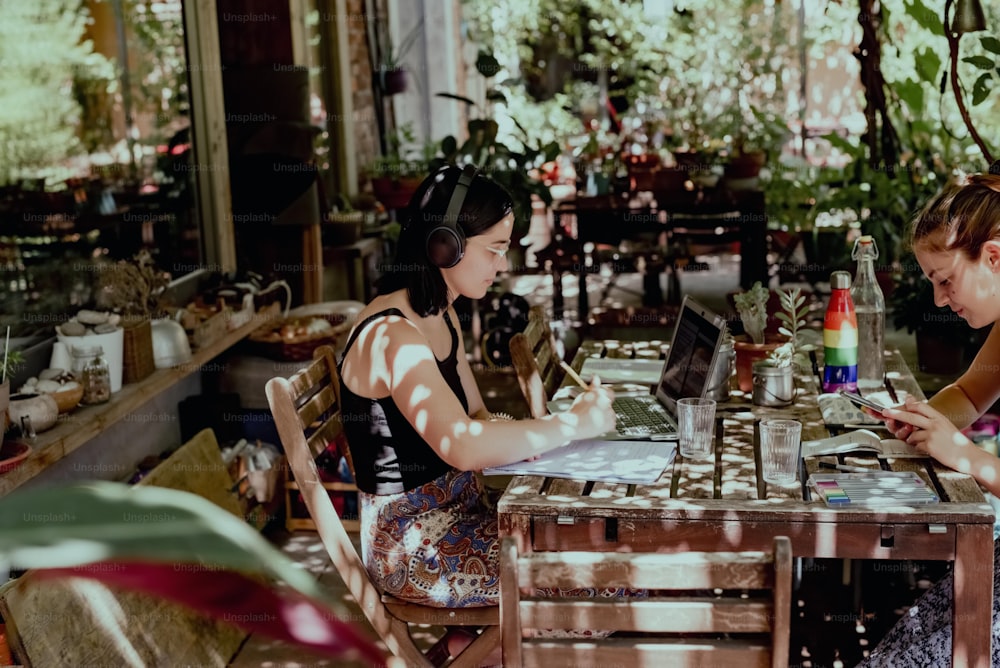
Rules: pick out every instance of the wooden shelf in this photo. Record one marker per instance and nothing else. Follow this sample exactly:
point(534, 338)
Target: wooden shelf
point(85, 422)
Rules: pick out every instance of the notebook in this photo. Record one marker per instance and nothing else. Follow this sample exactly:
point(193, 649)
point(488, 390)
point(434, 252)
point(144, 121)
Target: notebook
point(634, 462)
point(691, 360)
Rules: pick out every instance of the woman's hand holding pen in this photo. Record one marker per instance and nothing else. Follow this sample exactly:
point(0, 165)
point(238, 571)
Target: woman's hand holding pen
point(593, 407)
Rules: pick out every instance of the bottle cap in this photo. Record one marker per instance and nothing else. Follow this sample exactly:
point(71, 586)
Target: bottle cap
point(840, 280)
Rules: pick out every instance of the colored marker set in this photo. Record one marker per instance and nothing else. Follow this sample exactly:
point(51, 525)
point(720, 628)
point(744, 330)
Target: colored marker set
point(875, 489)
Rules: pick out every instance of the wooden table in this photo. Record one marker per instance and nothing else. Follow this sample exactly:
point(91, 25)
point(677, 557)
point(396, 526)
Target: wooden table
point(725, 505)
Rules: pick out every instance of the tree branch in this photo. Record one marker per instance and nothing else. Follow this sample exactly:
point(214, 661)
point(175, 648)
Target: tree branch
point(953, 44)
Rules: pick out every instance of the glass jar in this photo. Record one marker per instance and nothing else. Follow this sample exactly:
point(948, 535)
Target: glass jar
point(95, 376)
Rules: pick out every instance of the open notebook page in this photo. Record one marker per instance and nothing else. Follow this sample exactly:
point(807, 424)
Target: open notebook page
point(637, 462)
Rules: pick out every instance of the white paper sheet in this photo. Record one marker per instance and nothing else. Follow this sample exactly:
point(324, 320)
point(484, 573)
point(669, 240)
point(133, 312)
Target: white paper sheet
point(637, 462)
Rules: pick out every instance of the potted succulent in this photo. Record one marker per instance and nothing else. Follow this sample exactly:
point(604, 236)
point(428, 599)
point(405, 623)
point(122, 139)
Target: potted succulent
point(752, 307)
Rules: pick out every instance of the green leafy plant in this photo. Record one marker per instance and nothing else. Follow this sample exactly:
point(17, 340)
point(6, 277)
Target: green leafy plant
point(10, 362)
point(792, 315)
point(510, 166)
point(752, 307)
point(403, 157)
point(391, 56)
point(240, 579)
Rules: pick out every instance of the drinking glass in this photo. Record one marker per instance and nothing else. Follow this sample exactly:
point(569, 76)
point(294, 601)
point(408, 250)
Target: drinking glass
point(696, 427)
point(779, 449)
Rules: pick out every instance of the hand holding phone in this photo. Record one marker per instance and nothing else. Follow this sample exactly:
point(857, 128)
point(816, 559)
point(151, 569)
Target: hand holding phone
point(859, 400)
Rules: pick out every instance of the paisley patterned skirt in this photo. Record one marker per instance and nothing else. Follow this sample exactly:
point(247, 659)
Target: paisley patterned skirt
point(436, 545)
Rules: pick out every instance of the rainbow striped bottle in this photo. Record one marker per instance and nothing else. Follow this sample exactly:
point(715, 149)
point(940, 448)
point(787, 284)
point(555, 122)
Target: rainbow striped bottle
point(840, 337)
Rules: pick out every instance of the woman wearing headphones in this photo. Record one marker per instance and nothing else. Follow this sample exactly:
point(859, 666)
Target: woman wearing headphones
point(414, 418)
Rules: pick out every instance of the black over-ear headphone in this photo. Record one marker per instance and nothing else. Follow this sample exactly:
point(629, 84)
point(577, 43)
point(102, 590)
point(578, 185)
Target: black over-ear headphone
point(446, 240)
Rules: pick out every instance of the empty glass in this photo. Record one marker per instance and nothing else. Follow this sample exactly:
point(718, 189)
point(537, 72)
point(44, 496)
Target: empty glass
point(779, 449)
point(696, 427)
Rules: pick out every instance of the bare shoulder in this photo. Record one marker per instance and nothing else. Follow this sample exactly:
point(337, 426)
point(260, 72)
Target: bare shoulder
point(377, 341)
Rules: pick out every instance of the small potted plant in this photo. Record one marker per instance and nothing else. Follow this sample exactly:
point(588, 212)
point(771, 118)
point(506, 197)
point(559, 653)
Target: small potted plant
point(132, 290)
point(343, 224)
point(752, 307)
point(391, 70)
point(773, 379)
point(396, 175)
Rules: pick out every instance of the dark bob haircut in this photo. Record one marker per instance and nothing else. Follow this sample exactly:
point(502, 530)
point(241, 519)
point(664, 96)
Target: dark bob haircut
point(485, 205)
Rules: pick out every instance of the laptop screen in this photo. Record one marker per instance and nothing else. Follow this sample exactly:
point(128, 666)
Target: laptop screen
point(692, 355)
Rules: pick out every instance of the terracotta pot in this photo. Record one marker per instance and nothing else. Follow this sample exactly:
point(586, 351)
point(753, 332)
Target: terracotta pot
point(746, 354)
point(4, 402)
point(394, 193)
point(41, 409)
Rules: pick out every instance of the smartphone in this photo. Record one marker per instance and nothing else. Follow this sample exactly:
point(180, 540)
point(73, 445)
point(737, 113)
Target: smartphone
point(862, 401)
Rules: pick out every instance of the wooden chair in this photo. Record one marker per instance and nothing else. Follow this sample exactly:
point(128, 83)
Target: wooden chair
point(669, 628)
point(536, 362)
point(306, 410)
point(319, 429)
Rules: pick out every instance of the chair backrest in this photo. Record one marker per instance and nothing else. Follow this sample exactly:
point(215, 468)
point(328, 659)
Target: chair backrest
point(536, 361)
point(306, 409)
point(679, 626)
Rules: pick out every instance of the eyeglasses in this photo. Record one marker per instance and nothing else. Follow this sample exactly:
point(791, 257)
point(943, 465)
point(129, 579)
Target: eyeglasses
point(499, 252)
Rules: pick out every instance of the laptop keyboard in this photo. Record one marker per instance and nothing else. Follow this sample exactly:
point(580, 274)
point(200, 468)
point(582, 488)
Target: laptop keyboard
point(641, 416)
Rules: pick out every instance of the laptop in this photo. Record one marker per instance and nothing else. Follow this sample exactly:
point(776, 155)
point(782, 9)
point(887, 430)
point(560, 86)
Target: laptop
point(691, 360)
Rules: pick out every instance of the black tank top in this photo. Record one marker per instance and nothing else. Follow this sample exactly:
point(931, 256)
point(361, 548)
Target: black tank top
point(389, 455)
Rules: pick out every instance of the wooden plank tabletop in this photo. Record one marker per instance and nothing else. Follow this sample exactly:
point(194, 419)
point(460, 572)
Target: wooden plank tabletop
point(713, 489)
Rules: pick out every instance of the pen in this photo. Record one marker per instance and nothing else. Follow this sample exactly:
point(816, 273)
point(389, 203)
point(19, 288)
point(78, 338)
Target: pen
point(857, 425)
point(845, 467)
point(573, 374)
point(858, 469)
point(891, 389)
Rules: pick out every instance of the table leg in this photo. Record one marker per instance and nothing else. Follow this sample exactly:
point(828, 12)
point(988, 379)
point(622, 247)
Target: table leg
point(973, 596)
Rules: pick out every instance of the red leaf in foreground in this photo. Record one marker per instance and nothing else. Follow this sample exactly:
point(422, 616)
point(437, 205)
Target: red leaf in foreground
point(236, 599)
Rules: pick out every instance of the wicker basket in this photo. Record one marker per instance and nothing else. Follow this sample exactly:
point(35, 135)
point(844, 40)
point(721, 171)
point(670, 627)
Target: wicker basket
point(267, 342)
point(137, 362)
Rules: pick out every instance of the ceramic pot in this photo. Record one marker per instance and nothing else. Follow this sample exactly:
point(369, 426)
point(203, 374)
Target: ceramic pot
point(41, 409)
point(394, 81)
point(170, 343)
